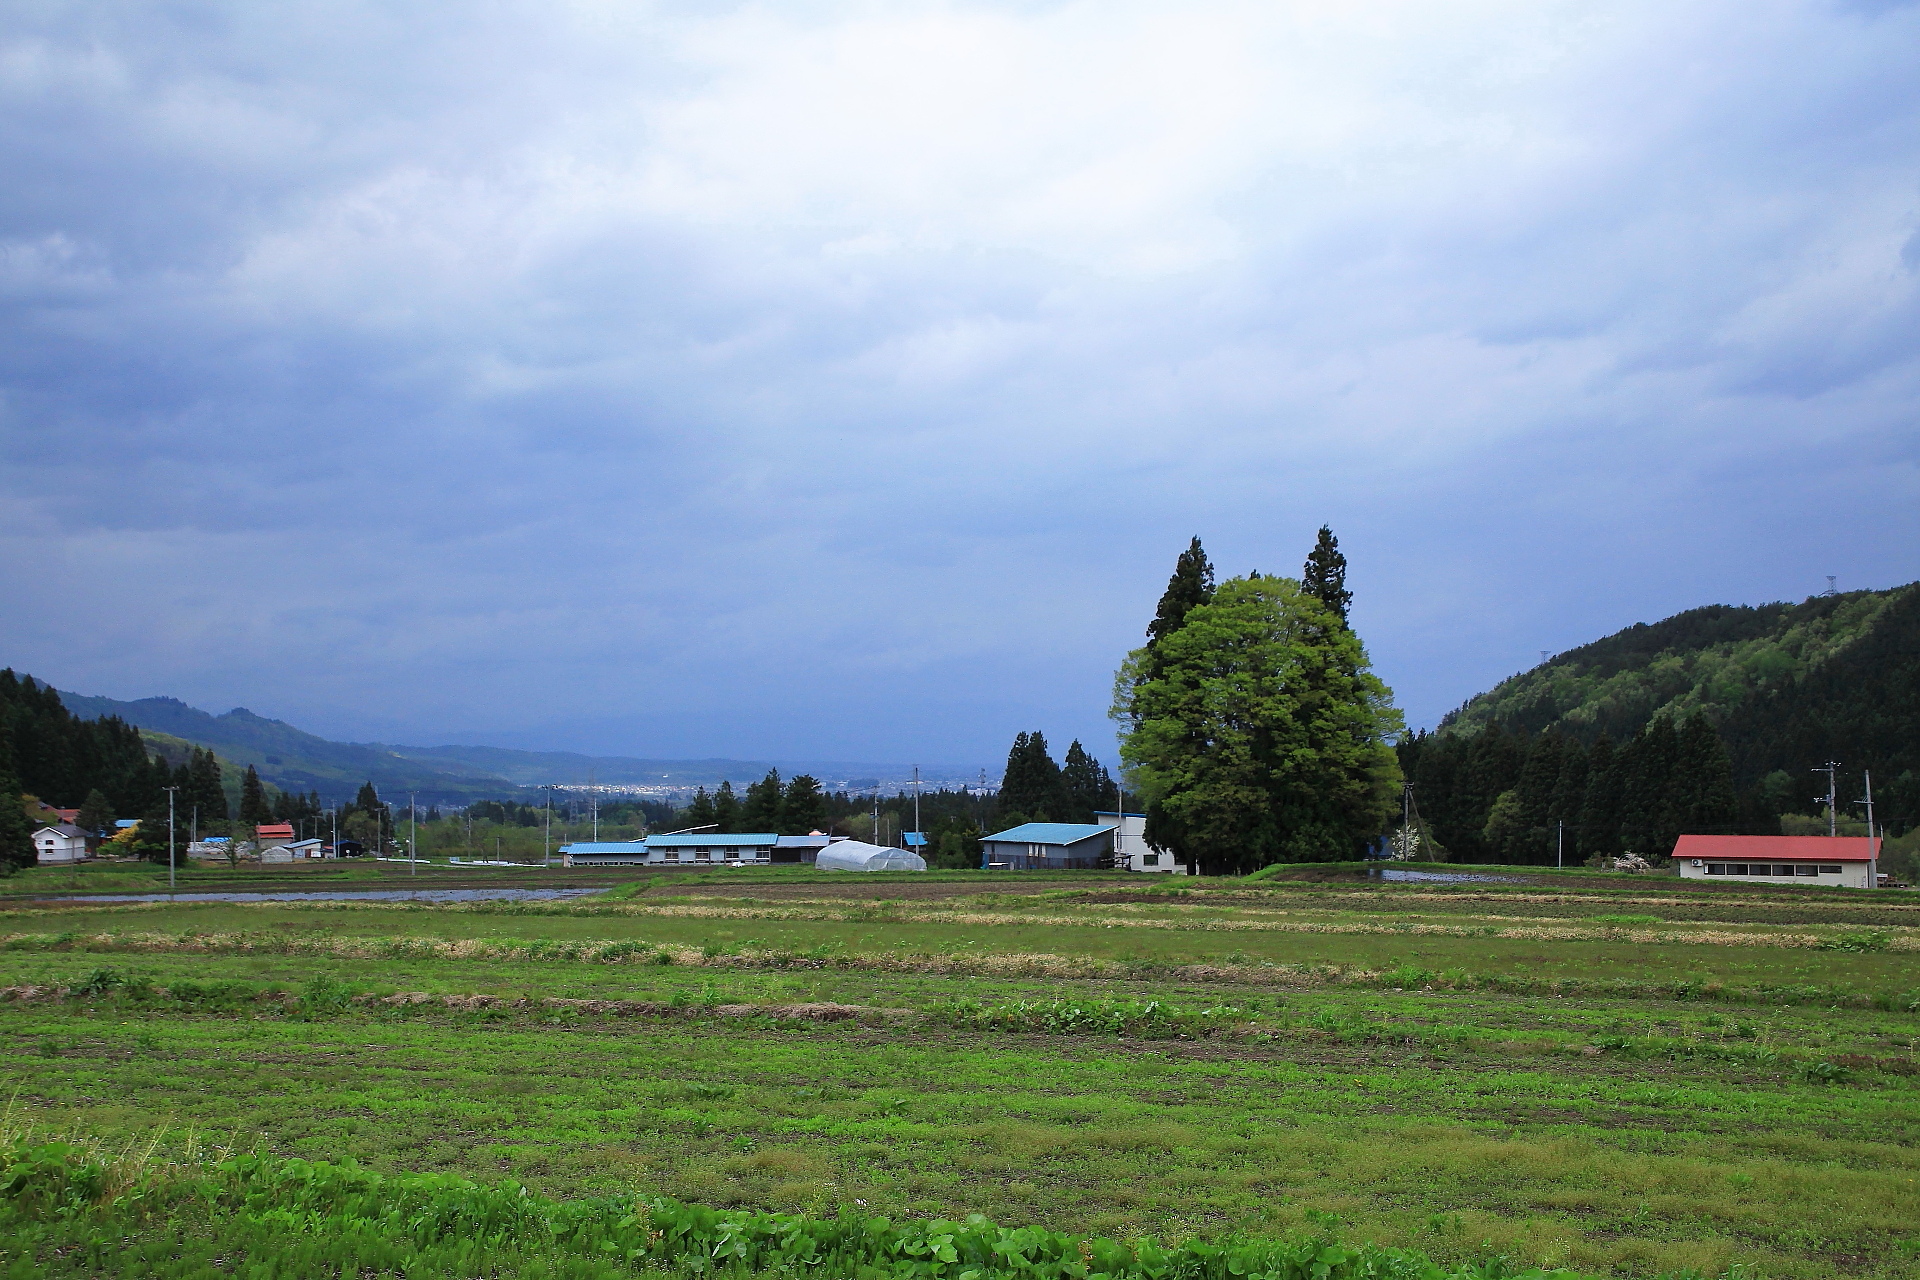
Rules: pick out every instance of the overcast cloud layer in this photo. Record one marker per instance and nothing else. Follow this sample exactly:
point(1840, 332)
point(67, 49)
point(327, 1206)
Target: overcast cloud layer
point(842, 380)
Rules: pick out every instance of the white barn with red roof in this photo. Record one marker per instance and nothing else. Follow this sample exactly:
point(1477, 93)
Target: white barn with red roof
point(1848, 861)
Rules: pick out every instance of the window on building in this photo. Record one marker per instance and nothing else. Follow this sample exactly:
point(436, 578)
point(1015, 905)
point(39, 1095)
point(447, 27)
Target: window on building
point(1829, 871)
point(1736, 868)
point(1806, 869)
point(1716, 868)
point(1150, 860)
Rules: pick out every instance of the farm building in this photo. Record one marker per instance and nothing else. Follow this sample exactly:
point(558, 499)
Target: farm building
point(62, 842)
point(1131, 851)
point(751, 849)
point(1048, 846)
point(1849, 861)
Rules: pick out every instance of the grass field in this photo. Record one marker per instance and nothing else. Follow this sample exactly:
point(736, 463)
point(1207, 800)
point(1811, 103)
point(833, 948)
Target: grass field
point(1601, 1073)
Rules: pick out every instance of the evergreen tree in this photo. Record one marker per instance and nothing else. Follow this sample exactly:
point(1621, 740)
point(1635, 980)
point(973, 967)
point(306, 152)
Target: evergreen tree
point(1569, 799)
point(150, 841)
point(368, 801)
point(700, 812)
point(1087, 785)
point(1708, 804)
point(1539, 776)
point(16, 830)
point(1031, 785)
point(202, 788)
point(1649, 814)
point(1599, 829)
point(726, 809)
point(254, 808)
point(802, 808)
point(96, 815)
point(1190, 586)
point(1325, 574)
point(761, 812)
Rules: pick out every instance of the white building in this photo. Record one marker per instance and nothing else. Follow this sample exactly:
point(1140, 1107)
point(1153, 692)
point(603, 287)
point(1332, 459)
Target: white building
point(742, 850)
point(1130, 849)
point(1847, 861)
point(62, 843)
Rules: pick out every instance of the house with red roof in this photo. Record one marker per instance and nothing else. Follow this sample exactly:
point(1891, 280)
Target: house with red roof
point(1851, 862)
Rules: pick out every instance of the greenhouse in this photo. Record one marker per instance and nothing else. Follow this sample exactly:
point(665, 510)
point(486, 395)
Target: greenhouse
point(853, 855)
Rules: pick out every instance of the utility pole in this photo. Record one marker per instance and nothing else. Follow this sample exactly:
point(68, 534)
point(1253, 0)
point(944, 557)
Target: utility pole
point(1831, 799)
point(170, 857)
point(916, 803)
point(413, 833)
point(1560, 843)
point(546, 836)
point(1875, 863)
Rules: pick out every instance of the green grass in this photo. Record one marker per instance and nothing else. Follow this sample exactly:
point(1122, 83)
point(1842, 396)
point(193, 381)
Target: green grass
point(1549, 1100)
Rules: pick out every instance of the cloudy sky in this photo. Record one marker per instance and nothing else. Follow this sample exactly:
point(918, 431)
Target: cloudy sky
point(841, 380)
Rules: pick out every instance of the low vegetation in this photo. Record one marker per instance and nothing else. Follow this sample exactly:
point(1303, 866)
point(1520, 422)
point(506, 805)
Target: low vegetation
point(758, 1073)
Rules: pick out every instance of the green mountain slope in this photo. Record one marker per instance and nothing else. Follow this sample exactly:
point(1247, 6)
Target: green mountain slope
point(293, 759)
point(1788, 686)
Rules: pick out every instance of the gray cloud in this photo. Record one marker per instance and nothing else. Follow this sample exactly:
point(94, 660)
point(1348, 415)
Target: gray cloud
point(804, 382)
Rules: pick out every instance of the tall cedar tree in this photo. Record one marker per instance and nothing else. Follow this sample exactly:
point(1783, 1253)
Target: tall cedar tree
point(1087, 784)
point(1257, 732)
point(1030, 789)
point(761, 811)
point(699, 813)
point(1600, 805)
point(726, 809)
point(802, 809)
point(1190, 586)
point(1325, 574)
point(254, 808)
point(95, 815)
point(202, 790)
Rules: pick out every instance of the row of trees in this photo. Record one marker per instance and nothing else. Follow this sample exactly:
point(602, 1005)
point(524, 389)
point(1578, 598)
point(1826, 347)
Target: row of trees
point(791, 809)
point(1253, 728)
point(1499, 796)
point(1035, 789)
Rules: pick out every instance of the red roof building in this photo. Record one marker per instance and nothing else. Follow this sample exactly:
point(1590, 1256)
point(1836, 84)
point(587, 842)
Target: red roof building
point(274, 833)
point(1849, 861)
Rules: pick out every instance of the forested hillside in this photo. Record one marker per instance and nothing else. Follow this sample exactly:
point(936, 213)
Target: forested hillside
point(291, 758)
point(1712, 719)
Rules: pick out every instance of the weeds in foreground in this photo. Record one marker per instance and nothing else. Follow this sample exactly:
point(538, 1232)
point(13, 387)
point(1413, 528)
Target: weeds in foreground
point(61, 1202)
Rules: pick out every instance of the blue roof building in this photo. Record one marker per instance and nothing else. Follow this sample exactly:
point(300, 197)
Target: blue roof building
point(692, 848)
point(1048, 846)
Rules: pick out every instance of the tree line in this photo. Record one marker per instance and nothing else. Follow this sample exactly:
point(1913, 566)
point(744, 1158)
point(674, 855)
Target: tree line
point(1501, 796)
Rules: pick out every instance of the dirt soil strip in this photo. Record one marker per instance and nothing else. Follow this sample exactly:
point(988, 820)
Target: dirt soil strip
point(1902, 940)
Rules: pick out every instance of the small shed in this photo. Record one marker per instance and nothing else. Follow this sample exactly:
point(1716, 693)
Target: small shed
point(1847, 861)
point(857, 855)
point(1048, 846)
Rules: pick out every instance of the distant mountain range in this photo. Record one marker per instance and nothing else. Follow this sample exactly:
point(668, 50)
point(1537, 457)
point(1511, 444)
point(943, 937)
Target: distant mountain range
point(295, 760)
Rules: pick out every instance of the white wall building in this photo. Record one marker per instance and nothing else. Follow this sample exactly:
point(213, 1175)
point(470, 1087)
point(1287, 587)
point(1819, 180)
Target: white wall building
point(1131, 851)
point(1846, 861)
point(59, 844)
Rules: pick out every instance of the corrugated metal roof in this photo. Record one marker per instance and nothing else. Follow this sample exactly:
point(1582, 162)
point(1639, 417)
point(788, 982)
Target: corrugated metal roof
point(605, 846)
point(712, 841)
point(1051, 833)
